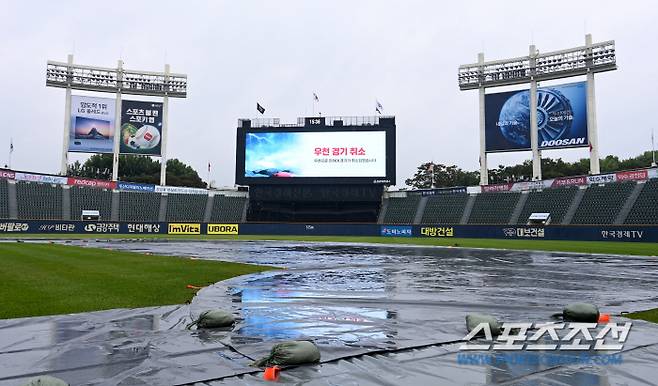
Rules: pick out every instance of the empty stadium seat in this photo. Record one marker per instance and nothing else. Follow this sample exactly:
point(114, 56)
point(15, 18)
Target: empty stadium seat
point(38, 201)
point(227, 209)
point(4, 199)
point(493, 208)
point(186, 207)
point(601, 203)
point(645, 208)
point(139, 207)
point(84, 198)
point(401, 210)
point(554, 201)
point(444, 209)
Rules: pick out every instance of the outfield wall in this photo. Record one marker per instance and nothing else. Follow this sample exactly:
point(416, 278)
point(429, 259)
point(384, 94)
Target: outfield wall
point(552, 232)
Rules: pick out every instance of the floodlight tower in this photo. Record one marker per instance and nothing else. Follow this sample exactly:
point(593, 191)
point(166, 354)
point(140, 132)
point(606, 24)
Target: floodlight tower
point(585, 60)
point(118, 81)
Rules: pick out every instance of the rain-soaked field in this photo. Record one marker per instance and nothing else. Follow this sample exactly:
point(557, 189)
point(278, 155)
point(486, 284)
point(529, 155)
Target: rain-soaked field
point(380, 315)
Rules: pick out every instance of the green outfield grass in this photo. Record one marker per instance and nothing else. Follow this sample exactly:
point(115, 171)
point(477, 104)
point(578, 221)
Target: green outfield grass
point(606, 247)
point(46, 279)
point(649, 315)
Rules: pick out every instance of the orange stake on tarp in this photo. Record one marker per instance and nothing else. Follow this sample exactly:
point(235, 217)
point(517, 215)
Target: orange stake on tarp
point(271, 373)
point(190, 286)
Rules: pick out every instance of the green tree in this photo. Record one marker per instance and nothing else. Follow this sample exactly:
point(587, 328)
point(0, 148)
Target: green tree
point(134, 168)
point(444, 176)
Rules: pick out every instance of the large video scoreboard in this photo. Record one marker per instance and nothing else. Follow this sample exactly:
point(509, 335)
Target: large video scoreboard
point(321, 151)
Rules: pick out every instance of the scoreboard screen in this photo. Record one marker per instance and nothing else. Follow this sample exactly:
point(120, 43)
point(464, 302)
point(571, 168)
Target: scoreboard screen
point(302, 155)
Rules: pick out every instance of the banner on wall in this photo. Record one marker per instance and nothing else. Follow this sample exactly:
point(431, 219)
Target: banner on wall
point(561, 118)
point(92, 125)
point(101, 184)
point(141, 128)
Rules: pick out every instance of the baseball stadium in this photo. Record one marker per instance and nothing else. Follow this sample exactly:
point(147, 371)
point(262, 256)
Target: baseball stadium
point(323, 264)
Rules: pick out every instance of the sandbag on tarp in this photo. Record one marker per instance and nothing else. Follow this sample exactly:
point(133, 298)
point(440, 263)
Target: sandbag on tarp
point(581, 312)
point(474, 320)
point(296, 352)
point(45, 380)
point(213, 319)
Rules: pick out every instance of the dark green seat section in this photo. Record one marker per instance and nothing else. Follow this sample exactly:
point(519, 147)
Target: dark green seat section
point(83, 198)
point(645, 209)
point(186, 207)
point(493, 208)
point(554, 201)
point(601, 203)
point(38, 201)
point(139, 207)
point(227, 209)
point(444, 209)
point(4, 199)
point(401, 210)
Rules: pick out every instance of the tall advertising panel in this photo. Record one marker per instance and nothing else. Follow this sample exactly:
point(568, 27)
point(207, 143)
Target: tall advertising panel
point(141, 128)
point(561, 118)
point(92, 125)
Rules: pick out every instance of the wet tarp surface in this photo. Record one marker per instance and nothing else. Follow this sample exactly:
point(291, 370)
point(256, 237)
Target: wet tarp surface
point(379, 314)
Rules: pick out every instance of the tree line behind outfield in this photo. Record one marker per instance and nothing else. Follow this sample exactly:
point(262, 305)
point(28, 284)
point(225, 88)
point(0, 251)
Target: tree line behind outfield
point(451, 175)
point(134, 168)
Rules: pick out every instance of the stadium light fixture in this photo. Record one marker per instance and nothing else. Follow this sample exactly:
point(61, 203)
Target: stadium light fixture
point(118, 81)
point(599, 57)
point(584, 60)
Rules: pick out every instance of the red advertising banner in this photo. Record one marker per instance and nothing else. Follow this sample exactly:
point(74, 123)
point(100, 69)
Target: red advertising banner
point(569, 181)
point(8, 174)
point(497, 188)
point(635, 175)
point(102, 184)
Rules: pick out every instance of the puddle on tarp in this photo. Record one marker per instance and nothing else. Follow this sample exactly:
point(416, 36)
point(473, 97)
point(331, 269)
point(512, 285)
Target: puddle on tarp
point(348, 298)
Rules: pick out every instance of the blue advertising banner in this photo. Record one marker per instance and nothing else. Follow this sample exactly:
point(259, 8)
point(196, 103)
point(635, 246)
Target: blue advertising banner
point(396, 231)
point(561, 118)
point(135, 187)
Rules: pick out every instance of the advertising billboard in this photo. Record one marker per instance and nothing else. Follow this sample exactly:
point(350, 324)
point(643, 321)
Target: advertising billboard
point(141, 128)
point(314, 156)
point(561, 118)
point(92, 125)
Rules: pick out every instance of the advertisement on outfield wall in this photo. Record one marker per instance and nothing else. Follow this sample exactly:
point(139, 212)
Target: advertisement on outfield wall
point(281, 155)
point(561, 118)
point(91, 183)
point(92, 124)
point(141, 128)
point(551, 232)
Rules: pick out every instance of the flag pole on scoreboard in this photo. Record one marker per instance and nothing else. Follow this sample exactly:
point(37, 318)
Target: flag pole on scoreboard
point(315, 100)
point(11, 150)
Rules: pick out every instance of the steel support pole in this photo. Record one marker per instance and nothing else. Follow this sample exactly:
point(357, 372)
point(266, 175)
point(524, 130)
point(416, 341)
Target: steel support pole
point(592, 131)
point(534, 131)
point(165, 130)
point(484, 173)
point(67, 121)
point(117, 123)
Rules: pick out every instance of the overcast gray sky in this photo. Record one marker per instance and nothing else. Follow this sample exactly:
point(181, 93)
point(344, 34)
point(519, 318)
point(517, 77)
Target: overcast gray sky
point(404, 53)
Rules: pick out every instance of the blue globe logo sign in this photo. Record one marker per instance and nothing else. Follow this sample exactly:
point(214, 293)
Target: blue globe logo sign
point(554, 117)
